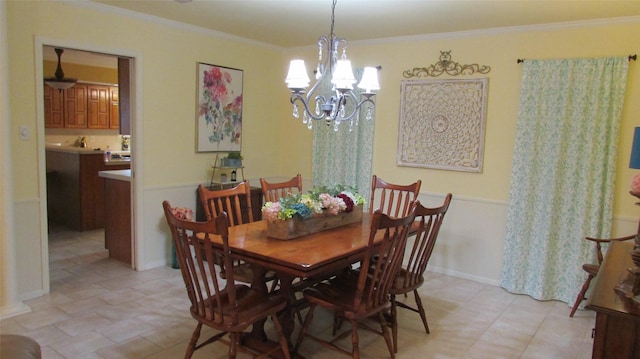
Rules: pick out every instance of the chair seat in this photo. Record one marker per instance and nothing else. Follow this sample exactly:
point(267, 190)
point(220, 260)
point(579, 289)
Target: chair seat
point(244, 273)
point(401, 284)
point(591, 268)
point(251, 305)
point(338, 294)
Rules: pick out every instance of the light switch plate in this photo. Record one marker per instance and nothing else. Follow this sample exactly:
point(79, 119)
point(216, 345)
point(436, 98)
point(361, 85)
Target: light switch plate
point(24, 133)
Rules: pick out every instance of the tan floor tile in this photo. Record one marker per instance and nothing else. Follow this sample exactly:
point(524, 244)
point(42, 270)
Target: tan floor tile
point(41, 318)
point(82, 324)
point(82, 344)
point(125, 329)
point(137, 347)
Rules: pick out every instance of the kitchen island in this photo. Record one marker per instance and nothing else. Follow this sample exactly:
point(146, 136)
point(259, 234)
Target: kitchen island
point(117, 222)
point(75, 192)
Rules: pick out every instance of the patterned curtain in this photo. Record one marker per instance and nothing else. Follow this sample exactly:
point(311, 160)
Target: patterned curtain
point(344, 156)
point(563, 173)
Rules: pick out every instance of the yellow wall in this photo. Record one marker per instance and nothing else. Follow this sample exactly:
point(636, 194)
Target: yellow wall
point(500, 51)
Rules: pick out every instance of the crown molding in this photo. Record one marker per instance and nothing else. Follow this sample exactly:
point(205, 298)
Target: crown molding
point(172, 23)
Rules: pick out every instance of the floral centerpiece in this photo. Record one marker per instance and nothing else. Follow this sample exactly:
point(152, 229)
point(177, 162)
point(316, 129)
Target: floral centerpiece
point(322, 208)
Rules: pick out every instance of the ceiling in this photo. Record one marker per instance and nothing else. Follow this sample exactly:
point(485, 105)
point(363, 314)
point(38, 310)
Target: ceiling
point(293, 23)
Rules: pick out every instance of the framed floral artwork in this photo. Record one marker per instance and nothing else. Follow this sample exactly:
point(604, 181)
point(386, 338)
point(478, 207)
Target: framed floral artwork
point(219, 109)
point(442, 124)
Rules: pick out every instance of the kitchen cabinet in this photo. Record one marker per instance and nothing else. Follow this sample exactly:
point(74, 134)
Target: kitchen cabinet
point(53, 107)
point(84, 105)
point(98, 103)
point(75, 106)
point(114, 108)
point(75, 192)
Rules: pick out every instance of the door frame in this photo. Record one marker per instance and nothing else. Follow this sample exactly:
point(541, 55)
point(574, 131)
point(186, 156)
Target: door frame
point(137, 243)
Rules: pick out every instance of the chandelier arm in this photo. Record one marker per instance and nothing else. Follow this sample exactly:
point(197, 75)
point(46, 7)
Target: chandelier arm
point(357, 106)
point(298, 97)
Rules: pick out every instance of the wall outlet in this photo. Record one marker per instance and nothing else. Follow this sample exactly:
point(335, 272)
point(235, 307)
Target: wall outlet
point(92, 138)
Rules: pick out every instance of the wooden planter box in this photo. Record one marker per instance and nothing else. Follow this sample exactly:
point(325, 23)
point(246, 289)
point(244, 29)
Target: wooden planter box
point(297, 227)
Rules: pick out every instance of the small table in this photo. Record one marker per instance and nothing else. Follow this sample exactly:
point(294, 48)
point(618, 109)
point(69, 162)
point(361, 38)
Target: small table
point(617, 332)
point(316, 255)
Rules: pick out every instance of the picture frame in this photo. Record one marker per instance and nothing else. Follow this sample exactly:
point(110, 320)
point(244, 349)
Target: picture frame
point(442, 124)
point(219, 108)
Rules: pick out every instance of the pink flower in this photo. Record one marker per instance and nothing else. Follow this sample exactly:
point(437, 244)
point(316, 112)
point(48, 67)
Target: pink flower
point(270, 213)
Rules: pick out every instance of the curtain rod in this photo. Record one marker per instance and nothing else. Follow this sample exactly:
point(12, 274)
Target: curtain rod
point(633, 57)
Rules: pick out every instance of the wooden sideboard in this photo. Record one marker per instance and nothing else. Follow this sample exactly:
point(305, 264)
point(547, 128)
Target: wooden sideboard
point(256, 205)
point(617, 331)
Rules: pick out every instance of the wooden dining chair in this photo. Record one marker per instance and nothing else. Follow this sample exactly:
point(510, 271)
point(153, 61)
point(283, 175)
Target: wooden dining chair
point(230, 201)
point(392, 199)
point(230, 307)
point(592, 269)
point(411, 274)
point(272, 192)
point(356, 297)
point(227, 200)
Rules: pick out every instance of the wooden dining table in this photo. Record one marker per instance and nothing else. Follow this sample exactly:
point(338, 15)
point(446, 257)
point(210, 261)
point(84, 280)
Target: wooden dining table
point(316, 255)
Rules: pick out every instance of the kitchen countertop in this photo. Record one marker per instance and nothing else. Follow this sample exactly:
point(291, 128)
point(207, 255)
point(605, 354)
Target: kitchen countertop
point(90, 151)
point(73, 149)
point(121, 175)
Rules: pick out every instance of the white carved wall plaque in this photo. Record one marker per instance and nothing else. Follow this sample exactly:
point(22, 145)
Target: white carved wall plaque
point(442, 124)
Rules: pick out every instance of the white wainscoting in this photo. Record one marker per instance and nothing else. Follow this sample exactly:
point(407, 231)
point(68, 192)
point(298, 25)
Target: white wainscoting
point(470, 244)
point(30, 256)
point(471, 240)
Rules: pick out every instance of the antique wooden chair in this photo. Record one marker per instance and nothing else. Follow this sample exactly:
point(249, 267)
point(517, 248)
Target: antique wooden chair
point(392, 199)
point(229, 308)
point(411, 274)
point(356, 297)
point(230, 201)
point(272, 192)
point(227, 200)
point(592, 269)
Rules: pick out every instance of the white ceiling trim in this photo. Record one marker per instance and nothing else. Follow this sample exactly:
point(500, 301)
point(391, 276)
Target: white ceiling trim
point(503, 30)
point(436, 36)
point(175, 24)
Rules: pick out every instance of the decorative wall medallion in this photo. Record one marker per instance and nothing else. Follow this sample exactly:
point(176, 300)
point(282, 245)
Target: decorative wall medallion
point(446, 65)
point(442, 124)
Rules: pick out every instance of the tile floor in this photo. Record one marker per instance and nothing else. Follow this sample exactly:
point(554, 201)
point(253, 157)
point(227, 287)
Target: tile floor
point(99, 308)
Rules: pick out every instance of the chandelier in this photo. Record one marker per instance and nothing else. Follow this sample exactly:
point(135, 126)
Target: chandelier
point(59, 82)
point(339, 103)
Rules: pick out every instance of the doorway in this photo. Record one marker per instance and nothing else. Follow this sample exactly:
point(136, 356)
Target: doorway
point(77, 58)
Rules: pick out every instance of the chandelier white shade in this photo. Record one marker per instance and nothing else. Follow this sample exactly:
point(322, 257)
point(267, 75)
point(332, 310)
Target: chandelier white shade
point(331, 95)
point(297, 77)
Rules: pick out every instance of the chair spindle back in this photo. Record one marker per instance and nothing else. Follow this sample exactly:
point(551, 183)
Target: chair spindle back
point(272, 192)
point(392, 199)
point(197, 256)
point(374, 285)
point(228, 200)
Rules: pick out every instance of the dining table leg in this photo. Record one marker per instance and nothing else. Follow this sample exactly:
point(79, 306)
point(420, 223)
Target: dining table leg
point(259, 284)
point(287, 316)
point(258, 337)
